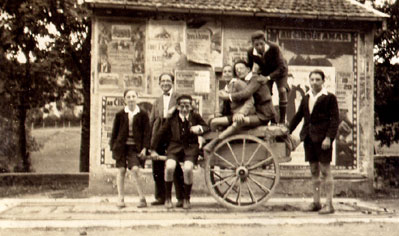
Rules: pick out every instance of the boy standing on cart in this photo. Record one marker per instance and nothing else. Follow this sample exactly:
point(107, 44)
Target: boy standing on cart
point(319, 109)
point(182, 129)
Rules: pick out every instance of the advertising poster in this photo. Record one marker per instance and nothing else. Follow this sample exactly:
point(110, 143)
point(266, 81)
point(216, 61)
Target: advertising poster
point(165, 49)
point(204, 42)
point(199, 46)
point(333, 52)
point(237, 49)
point(184, 81)
point(121, 52)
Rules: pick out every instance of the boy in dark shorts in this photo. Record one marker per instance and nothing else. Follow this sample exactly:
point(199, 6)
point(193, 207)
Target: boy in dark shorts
point(182, 129)
point(319, 109)
point(129, 142)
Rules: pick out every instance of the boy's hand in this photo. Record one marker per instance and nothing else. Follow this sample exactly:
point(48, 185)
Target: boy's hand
point(154, 154)
point(143, 152)
point(263, 79)
point(239, 118)
point(223, 95)
point(196, 129)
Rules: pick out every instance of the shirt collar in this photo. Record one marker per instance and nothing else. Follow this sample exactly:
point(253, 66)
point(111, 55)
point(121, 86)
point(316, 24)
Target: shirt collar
point(170, 92)
point(323, 91)
point(248, 76)
point(134, 112)
point(182, 117)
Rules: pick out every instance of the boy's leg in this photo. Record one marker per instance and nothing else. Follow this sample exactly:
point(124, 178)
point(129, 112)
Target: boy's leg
point(283, 101)
point(178, 181)
point(170, 167)
point(219, 121)
point(328, 181)
point(120, 184)
point(135, 176)
point(315, 172)
point(230, 130)
point(188, 183)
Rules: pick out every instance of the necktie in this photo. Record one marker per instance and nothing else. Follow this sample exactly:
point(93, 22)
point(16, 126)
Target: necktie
point(166, 94)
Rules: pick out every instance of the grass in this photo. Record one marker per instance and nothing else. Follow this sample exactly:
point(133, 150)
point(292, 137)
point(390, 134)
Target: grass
point(60, 152)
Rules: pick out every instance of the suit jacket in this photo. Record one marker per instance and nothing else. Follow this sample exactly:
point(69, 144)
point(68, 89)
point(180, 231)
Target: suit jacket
point(261, 93)
point(323, 122)
point(120, 132)
point(156, 115)
point(172, 129)
point(272, 63)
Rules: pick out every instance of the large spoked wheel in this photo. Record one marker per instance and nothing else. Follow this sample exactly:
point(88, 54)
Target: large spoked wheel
point(242, 172)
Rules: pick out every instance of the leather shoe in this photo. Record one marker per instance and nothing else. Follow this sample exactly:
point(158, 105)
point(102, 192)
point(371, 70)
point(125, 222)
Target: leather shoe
point(327, 209)
point(313, 207)
point(168, 204)
point(179, 203)
point(142, 204)
point(120, 204)
point(186, 204)
point(158, 202)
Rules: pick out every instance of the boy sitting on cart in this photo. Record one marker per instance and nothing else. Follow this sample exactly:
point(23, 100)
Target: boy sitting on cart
point(244, 93)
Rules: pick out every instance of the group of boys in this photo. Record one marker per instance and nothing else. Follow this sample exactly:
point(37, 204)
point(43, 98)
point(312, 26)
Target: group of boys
point(175, 127)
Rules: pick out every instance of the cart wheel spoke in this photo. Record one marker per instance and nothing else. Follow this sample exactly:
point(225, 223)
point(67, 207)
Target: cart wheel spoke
point(238, 199)
point(243, 151)
point(261, 186)
point(267, 161)
point(223, 159)
point(227, 192)
point(265, 175)
point(232, 153)
point(253, 154)
point(222, 180)
point(251, 193)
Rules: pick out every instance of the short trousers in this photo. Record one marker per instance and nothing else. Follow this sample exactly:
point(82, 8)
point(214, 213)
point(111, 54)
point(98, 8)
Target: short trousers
point(281, 82)
point(181, 157)
point(314, 152)
point(130, 158)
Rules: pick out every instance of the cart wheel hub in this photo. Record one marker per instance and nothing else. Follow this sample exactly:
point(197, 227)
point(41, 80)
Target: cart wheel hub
point(242, 172)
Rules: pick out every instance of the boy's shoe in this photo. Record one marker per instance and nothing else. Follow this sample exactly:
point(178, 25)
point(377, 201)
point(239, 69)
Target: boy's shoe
point(179, 203)
point(158, 202)
point(313, 207)
point(168, 204)
point(186, 204)
point(142, 204)
point(120, 204)
point(327, 209)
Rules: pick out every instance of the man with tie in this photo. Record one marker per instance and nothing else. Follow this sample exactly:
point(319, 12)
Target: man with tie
point(158, 116)
point(182, 129)
point(319, 109)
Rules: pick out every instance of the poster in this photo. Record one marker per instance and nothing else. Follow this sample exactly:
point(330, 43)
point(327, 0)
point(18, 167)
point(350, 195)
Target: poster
point(199, 46)
point(237, 49)
point(165, 50)
point(121, 53)
point(191, 81)
point(334, 53)
point(204, 41)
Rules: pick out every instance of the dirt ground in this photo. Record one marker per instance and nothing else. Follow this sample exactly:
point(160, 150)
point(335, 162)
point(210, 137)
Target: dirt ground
point(352, 229)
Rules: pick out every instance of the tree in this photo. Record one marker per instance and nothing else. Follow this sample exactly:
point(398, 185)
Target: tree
point(48, 71)
point(386, 78)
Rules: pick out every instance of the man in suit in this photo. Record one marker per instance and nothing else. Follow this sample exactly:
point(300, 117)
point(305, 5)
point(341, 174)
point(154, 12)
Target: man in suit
point(265, 58)
point(182, 129)
point(319, 109)
point(159, 113)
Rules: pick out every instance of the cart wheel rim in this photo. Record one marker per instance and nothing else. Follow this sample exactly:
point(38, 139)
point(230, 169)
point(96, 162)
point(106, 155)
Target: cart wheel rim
point(243, 181)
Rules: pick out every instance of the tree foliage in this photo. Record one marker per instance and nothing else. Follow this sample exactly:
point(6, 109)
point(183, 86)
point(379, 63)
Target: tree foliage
point(48, 71)
point(386, 78)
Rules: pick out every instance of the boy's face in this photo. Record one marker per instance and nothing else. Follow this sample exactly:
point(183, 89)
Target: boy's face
point(259, 45)
point(131, 99)
point(227, 72)
point(184, 106)
point(241, 70)
point(316, 82)
point(165, 83)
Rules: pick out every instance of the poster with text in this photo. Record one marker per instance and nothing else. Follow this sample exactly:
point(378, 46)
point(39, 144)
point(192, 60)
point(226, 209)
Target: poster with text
point(237, 50)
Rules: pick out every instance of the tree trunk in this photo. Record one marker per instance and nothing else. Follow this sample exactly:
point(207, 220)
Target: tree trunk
point(84, 164)
point(22, 150)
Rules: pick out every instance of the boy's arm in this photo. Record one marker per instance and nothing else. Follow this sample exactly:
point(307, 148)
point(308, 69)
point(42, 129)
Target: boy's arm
point(282, 68)
point(334, 118)
point(247, 92)
point(159, 134)
point(146, 132)
point(115, 130)
point(247, 106)
point(297, 117)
